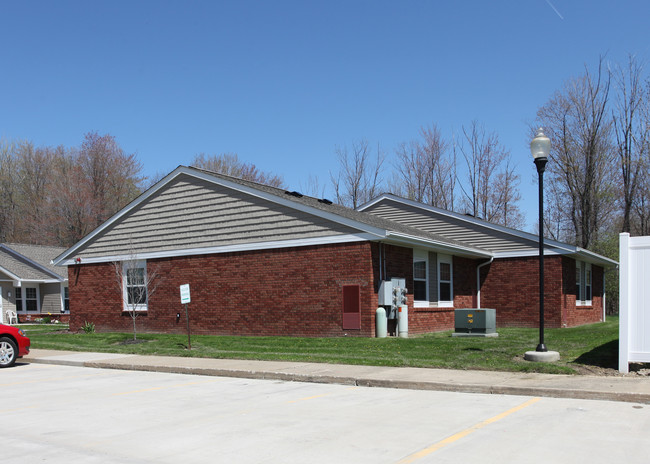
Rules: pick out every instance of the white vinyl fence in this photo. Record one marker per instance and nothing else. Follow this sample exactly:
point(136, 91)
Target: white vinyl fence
point(634, 301)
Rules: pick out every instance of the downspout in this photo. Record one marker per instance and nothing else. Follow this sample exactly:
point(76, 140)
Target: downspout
point(478, 281)
point(604, 295)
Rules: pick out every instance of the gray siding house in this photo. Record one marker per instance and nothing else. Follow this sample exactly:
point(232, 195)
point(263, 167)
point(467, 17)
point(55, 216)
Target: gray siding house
point(30, 285)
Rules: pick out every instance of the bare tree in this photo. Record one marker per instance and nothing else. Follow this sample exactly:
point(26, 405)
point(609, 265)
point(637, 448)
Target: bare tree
point(229, 164)
point(441, 167)
point(359, 177)
point(35, 166)
point(9, 190)
point(504, 196)
point(313, 187)
point(412, 173)
point(137, 281)
point(71, 206)
point(632, 131)
point(491, 191)
point(425, 171)
point(576, 121)
point(642, 203)
point(112, 176)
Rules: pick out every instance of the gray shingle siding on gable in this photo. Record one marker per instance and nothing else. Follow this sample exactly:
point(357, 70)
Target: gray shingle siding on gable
point(191, 213)
point(462, 231)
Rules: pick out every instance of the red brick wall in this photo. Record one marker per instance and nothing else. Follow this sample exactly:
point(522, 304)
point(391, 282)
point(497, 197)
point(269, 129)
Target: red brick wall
point(290, 291)
point(511, 286)
point(578, 315)
point(298, 292)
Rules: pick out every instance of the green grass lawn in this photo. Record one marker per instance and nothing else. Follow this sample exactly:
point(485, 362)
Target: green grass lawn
point(590, 345)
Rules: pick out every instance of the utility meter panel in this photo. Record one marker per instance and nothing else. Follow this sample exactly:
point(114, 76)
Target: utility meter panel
point(392, 294)
point(399, 291)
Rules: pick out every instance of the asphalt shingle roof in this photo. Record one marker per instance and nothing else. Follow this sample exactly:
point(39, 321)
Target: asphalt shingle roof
point(348, 213)
point(24, 260)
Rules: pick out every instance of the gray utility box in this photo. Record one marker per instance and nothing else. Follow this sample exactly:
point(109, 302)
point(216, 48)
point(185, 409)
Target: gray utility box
point(475, 323)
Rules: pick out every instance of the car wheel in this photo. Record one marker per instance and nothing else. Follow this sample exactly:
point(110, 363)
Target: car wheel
point(8, 352)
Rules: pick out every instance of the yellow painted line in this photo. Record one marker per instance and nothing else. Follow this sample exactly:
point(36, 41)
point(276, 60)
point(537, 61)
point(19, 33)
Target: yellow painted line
point(145, 390)
point(441, 444)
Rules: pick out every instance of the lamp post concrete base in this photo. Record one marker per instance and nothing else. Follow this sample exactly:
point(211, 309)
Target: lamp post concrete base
point(542, 356)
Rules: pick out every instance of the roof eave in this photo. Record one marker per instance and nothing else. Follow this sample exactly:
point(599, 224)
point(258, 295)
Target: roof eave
point(458, 250)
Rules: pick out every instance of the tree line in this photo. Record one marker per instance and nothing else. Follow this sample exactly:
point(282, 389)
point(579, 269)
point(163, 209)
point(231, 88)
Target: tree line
point(56, 196)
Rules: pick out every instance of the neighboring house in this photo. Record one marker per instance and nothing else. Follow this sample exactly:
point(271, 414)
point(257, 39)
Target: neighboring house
point(264, 261)
point(31, 286)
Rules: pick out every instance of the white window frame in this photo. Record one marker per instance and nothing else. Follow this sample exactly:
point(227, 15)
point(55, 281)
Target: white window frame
point(584, 280)
point(23, 300)
point(446, 259)
point(126, 266)
point(65, 288)
point(420, 256)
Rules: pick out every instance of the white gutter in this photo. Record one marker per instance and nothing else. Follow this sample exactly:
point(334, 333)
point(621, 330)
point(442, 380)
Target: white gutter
point(478, 281)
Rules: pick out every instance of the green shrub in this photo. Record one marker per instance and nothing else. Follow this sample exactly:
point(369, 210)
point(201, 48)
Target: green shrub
point(88, 327)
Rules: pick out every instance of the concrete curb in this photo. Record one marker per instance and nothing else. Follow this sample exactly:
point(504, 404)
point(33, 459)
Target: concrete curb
point(480, 382)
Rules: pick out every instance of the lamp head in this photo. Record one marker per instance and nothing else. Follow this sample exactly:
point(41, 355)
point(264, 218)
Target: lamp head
point(540, 146)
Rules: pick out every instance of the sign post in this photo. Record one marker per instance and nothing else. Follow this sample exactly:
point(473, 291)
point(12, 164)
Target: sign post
point(185, 299)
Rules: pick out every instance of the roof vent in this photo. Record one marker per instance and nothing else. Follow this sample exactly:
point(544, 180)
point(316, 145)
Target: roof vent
point(294, 194)
point(324, 201)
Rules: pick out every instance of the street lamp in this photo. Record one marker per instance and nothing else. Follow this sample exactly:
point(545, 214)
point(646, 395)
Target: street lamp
point(540, 147)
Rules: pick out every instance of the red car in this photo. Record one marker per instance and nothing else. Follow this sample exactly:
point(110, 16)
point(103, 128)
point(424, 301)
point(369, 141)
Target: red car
point(13, 344)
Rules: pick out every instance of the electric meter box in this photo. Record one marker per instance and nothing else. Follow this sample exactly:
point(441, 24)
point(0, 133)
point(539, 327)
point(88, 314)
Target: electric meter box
point(392, 292)
point(385, 293)
point(475, 323)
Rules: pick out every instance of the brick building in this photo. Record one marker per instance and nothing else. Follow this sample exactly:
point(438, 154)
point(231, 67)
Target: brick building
point(264, 261)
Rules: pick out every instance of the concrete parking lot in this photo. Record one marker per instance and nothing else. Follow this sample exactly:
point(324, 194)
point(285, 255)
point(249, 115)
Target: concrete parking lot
point(63, 414)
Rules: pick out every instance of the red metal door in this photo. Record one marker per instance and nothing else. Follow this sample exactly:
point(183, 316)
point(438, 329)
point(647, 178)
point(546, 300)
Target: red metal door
point(351, 307)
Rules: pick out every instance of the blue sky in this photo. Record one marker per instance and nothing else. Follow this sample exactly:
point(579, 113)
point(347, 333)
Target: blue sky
point(283, 83)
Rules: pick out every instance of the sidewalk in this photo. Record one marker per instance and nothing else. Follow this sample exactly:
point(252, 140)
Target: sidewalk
point(629, 389)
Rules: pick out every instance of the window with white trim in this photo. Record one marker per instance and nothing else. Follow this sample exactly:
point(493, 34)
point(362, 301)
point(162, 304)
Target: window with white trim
point(135, 285)
point(420, 281)
point(66, 300)
point(432, 279)
point(445, 281)
point(583, 284)
point(26, 299)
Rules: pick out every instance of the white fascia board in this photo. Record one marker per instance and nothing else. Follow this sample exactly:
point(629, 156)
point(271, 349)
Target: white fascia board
point(228, 249)
point(403, 239)
point(64, 258)
point(585, 255)
point(530, 253)
point(469, 219)
point(595, 258)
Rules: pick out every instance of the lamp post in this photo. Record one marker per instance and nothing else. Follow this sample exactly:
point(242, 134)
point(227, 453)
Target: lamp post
point(540, 147)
